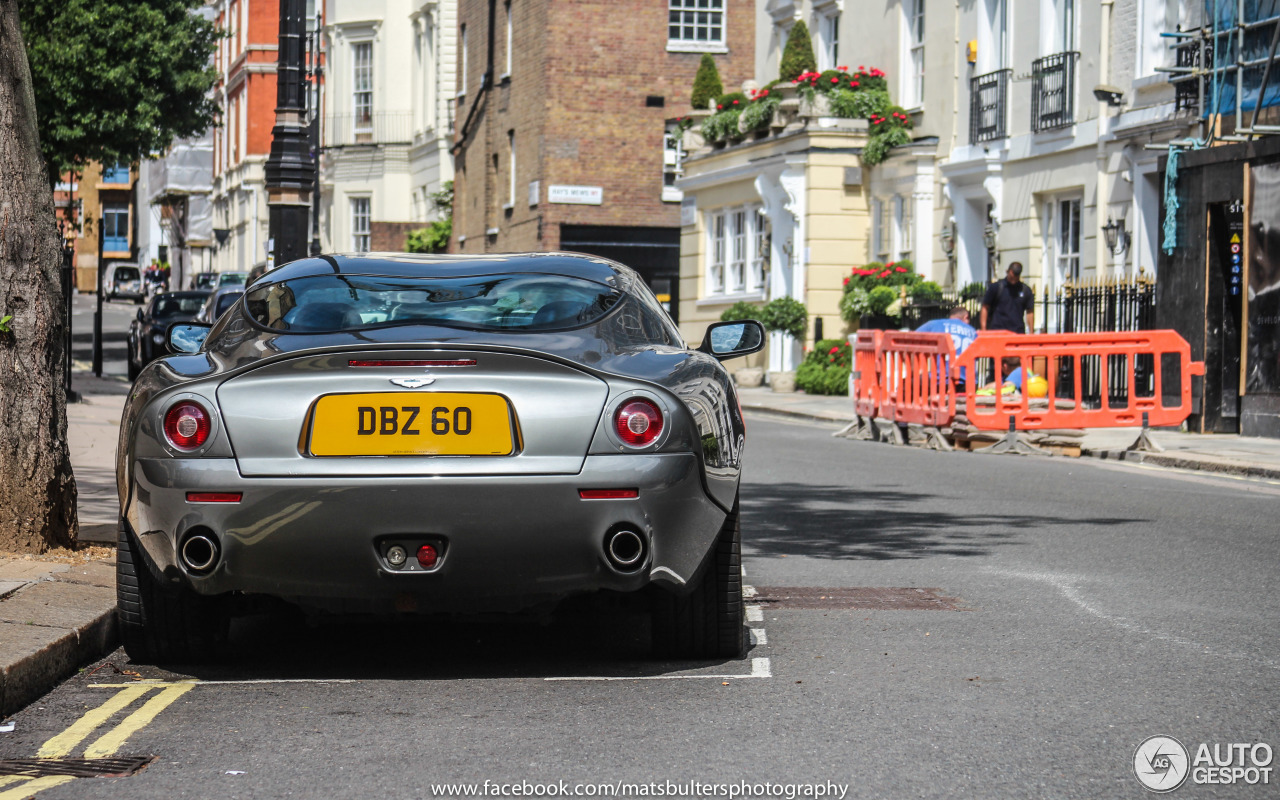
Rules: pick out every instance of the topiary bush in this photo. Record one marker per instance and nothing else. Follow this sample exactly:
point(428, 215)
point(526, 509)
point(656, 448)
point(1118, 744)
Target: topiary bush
point(706, 84)
point(797, 55)
point(786, 315)
point(741, 310)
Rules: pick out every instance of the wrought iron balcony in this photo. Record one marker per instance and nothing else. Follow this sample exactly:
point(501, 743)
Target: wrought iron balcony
point(1189, 54)
point(1053, 91)
point(989, 106)
point(385, 127)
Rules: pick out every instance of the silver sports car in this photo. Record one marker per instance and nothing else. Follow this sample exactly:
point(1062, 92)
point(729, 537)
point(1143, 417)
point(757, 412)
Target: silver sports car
point(395, 433)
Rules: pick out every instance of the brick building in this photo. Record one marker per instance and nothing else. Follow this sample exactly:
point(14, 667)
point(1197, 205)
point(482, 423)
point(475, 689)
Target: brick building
point(566, 145)
point(246, 92)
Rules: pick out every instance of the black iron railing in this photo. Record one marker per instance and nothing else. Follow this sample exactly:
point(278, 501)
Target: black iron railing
point(988, 106)
point(1053, 91)
point(1187, 88)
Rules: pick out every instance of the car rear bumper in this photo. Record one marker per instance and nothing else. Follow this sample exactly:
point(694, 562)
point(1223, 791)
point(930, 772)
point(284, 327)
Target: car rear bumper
point(508, 541)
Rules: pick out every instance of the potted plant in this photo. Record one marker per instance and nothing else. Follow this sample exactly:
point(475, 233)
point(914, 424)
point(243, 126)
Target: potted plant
point(788, 316)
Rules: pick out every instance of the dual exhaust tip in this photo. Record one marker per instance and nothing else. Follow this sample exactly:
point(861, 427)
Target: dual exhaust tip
point(625, 549)
point(199, 552)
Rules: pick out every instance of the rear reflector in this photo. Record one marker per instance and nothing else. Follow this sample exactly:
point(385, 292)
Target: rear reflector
point(213, 497)
point(608, 494)
point(427, 556)
point(452, 362)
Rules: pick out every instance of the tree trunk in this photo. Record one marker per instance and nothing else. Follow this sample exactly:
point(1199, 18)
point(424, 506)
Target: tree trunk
point(37, 489)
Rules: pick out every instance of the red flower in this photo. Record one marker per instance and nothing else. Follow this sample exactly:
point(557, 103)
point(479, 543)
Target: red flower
point(843, 69)
point(899, 269)
point(735, 102)
point(835, 349)
point(853, 83)
point(891, 263)
point(719, 107)
point(846, 281)
point(884, 274)
point(835, 79)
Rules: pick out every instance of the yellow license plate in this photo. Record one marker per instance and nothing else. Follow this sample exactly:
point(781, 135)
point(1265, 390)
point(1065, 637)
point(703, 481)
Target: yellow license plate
point(411, 424)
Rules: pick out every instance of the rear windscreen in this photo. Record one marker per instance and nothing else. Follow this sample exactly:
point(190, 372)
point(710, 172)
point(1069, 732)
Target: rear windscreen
point(126, 274)
point(521, 302)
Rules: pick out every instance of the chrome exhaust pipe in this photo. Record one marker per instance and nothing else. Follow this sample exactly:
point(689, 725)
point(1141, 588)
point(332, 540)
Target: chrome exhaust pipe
point(625, 549)
point(199, 552)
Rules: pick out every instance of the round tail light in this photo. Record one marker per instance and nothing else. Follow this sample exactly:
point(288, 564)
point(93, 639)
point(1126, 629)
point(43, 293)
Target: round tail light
point(186, 425)
point(638, 422)
point(427, 556)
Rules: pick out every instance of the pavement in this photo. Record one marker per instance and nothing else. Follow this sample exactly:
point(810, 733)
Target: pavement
point(57, 611)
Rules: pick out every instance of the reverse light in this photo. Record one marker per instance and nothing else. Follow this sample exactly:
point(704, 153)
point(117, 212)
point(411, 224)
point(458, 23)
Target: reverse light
point(608, 494)
point(396, 556)
point(427, 556)
point(187, 425)
point(638, 422)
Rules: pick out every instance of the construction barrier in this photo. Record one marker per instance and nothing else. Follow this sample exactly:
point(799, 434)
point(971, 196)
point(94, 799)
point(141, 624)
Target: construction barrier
point(917, 386)
point(864, 380)
point(1092, 380)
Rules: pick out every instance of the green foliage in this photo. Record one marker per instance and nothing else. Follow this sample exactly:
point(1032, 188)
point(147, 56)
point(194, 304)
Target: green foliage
point(925, 292)
point(442, 201)
point(786, 315)
point(431, 239)
point(880, 298)
point(973, 291)
point(879, 145)
point(730, 101)
point(721, 125)
point(825, 369)
point(706, 84)
point(4, 323)
point(797, 55)
point(118, 80)
point(854, 303)
point(741, 310)
point(759, 113)
point(859, 104)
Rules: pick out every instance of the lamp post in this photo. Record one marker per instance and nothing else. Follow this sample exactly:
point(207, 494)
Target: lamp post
point(290, 174)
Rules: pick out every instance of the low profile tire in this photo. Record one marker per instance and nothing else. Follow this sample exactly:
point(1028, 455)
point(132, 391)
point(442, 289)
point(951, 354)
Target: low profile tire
point(708, 621)
point(159, 624)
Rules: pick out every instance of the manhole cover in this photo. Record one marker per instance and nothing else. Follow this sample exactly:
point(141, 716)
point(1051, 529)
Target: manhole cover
point(866, 598)
point(76, 767)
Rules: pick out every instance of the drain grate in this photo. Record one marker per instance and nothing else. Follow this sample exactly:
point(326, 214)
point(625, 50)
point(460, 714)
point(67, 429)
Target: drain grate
point(76, 767)
point(866, 598)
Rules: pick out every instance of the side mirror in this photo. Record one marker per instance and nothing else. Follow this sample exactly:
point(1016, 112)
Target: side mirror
point(726, 340)
point(139, 315)
point(187, 337)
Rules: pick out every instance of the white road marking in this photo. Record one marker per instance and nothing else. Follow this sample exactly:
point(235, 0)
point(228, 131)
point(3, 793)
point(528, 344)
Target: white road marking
point(758, 636)
point(749, 592)
point(1066, 584)
point(755, 614)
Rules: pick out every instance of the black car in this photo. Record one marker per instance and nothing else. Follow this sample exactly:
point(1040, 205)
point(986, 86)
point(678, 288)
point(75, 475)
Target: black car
point(147, 332)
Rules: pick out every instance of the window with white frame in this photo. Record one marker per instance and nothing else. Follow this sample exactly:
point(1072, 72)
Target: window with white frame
point(511, 169)
point(715, 265)
point(737, 251)
point(1067, 240)
point(828, 27)
point(672, 168)
point(362, 86)
point(913, 72)
point(695, 23)
point(360, 224)
point(882, 213)
point(906, 227)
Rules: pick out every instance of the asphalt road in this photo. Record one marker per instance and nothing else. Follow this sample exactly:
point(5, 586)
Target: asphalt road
point(116, 317)
point(1097, 605)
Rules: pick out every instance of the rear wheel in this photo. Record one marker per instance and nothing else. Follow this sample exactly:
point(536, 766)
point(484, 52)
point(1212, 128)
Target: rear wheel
point(708, 621)
point(159, 623)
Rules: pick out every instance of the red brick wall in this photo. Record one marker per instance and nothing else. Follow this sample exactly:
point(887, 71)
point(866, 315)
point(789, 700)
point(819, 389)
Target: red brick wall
point(581, 72)
point(388, 237)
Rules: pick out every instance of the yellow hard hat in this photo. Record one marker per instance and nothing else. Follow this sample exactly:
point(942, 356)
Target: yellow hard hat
point(1037, 386)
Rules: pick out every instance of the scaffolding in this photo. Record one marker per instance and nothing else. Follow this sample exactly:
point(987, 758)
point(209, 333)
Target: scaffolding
point(1223, 70)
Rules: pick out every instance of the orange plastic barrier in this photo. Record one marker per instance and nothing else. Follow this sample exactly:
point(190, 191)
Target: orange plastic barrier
point(864, 384)
point(916, 385)
point(1094, 380)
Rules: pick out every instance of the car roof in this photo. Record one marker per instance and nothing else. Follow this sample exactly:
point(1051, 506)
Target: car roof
point(416, 265)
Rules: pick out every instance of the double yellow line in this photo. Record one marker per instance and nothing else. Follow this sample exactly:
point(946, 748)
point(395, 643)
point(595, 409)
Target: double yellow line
point(106, 745)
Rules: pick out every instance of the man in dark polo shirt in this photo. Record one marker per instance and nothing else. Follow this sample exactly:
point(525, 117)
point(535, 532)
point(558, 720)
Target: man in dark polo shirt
point(1007, 301)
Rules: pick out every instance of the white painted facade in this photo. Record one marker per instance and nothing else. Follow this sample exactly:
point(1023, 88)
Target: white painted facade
point(387, 119)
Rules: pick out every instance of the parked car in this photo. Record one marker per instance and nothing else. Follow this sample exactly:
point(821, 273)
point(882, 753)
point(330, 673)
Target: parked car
point(231, 279)
point(148, 330)
point(205, 280)
point(437, 433)
point(123, 280)
point(218, 302)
